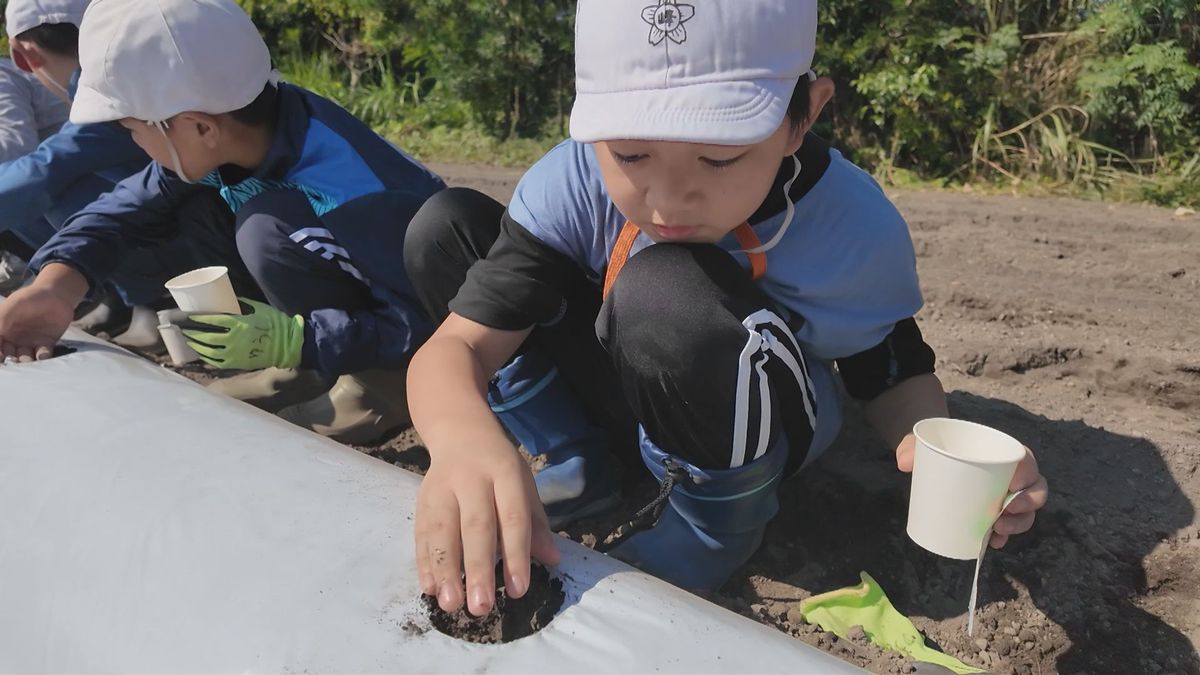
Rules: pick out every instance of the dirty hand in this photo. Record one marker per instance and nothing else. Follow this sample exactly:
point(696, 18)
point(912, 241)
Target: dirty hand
point(262, 337)
point(467, 498)
point(31, 321)
point(1019, 515)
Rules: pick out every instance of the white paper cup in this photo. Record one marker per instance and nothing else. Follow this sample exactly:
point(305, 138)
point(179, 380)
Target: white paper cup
point(171, 316)
point(205, 291)
point(177, 346)
point(961, 474)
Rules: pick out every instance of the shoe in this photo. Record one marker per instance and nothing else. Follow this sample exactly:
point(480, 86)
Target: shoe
point(12, 273)
point(714, 520)
point(359, 410)
point(539, 409)
point(109, 316)
point(273, 389)
point(142, 333)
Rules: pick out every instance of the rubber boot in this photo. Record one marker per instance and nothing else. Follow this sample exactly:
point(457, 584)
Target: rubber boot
point(142, 333)
point(110, 315)
point(359, 409)
point(714, 520)
point(273, 389)
point(540, 411)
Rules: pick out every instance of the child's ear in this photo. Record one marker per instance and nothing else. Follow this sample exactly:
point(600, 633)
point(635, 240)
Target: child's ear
point(820, 92)
point(27, 56)
point(208, 129)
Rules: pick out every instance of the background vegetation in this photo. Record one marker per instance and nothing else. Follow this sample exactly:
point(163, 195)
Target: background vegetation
point(1092, 97)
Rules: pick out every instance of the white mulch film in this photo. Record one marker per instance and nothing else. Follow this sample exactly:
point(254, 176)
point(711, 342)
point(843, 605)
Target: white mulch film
point(147, 525)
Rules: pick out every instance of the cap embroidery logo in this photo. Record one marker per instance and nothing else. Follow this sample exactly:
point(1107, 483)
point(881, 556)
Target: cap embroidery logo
point(666, 20)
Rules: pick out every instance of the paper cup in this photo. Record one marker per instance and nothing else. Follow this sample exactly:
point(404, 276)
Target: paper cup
point(205, 291)
point(177, 346)
point(961, 474)
point(171, 316)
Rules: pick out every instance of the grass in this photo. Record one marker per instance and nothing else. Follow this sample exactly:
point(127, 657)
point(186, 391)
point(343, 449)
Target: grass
point(1046, 155)
point(467, 145)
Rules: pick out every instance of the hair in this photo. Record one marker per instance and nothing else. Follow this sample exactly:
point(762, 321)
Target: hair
point(262, 110)
point(57, 38)
point(797, 110)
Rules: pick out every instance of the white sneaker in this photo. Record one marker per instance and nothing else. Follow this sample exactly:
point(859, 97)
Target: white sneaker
point(12, 272)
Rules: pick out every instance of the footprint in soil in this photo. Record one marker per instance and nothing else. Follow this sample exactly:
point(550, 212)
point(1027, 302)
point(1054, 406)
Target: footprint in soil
point(510, 619)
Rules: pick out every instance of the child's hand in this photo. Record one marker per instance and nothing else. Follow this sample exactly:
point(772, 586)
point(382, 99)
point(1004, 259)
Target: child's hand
point(1019, 515)
point(467, 498)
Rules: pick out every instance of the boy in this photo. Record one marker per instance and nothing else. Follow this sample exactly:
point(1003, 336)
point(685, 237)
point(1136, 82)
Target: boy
point(689, 150)
point(28, 113)
point(321, 205)
point(71, 168)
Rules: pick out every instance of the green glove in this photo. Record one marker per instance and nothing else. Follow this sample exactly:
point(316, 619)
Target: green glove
point(866, 605)
point(262, 337)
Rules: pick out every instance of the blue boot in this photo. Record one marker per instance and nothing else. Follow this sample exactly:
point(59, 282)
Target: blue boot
point(540, 410)
point(713, 523)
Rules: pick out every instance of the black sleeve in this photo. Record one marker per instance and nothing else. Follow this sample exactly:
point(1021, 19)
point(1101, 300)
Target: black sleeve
point(902, 354)
point(520, 284)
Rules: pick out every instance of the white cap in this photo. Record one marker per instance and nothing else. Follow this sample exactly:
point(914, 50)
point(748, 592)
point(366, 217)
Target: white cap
point(712, 71)
point(153, 59)
point(23, 15)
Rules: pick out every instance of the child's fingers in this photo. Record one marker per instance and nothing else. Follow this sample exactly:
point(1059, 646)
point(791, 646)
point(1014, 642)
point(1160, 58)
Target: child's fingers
point(1014, 523)
point(542, 541)
point(542, 545)
point(25, 354)
point(478, 518)
point(445, 552)
point(421, 546)
point(208, 323)
point(512, 511)
point(1033, 498)
point(44, 352)
point(1027, 473)
point(905, 452)
point(998, 540)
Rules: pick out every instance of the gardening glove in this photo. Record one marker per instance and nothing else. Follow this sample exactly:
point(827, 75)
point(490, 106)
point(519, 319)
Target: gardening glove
point(868, 606)
point(262, 337)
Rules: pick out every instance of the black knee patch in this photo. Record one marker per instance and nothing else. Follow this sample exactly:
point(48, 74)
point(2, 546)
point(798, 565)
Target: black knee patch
point(666, 290)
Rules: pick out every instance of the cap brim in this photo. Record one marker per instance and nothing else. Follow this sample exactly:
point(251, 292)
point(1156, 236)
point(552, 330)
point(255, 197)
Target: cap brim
point(713, 113)
point(91, 107)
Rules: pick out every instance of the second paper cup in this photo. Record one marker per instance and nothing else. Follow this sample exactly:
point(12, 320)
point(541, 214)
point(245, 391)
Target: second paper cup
point(961, 474)
point(205, 291)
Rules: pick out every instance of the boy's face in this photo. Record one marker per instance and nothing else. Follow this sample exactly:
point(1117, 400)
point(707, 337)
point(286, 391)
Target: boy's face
point(192, 134)
point(689, 192)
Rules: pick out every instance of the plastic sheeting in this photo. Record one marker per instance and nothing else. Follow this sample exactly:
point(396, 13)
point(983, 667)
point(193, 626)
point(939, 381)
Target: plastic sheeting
point(147, 524)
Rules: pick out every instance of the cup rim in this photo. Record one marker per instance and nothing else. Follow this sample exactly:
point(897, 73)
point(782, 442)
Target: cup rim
point(207, 275)
point(981, 427)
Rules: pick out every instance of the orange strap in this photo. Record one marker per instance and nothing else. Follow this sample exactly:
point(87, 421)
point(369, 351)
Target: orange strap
point(629, 233)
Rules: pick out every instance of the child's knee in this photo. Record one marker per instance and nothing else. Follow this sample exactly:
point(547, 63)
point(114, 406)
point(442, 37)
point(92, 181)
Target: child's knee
point(673, 302)
point(443, 222)
point(258, 237)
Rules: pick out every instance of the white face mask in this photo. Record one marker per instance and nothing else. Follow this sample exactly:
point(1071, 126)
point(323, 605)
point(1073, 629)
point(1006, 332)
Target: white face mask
point(162, 128)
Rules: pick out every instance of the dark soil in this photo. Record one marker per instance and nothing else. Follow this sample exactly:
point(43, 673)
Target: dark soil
point(510, 619)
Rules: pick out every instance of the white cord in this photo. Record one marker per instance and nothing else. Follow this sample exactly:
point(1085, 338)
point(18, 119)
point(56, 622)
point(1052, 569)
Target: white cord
point(162, 127)
point(791, 212)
